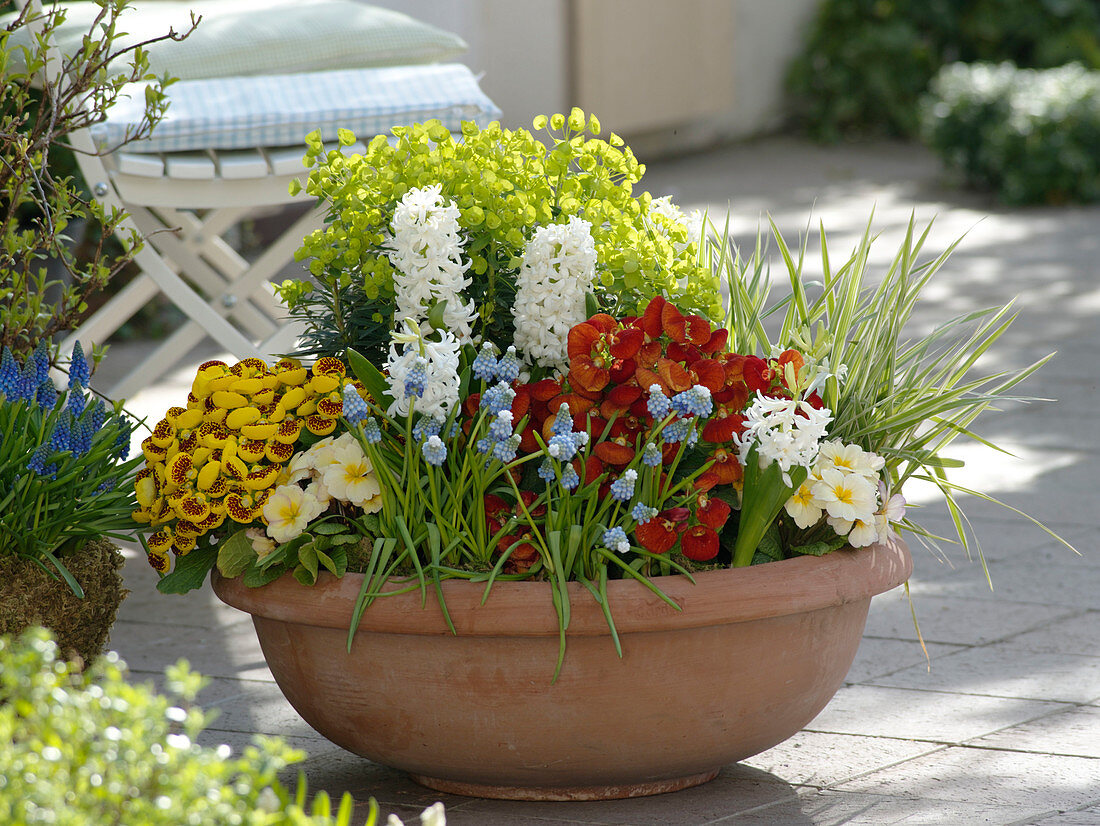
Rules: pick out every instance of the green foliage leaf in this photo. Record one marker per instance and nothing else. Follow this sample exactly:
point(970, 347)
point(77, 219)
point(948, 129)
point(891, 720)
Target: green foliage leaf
point(190, 572)
point(235, 554)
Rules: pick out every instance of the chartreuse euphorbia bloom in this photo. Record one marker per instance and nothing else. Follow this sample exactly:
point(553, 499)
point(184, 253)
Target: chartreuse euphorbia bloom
point(219, 457)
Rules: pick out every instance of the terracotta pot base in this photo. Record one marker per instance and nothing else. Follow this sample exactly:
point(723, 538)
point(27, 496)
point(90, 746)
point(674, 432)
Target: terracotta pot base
point(751, 656)
point(564, 793)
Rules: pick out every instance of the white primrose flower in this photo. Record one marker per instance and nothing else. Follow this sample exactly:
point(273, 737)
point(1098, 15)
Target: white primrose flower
point(802, 507)
point(891, 512)
point(850, 459)
point(425, 248)
point(559, 268)
point(288, 512)
point(350, 478)
point(846, 497)
point(261, 543)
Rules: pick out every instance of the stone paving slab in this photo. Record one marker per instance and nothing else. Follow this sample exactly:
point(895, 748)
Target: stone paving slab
point(821, 760)
point(994, 671)
point(956, 620)
point(1000, 778)
point(1073, 732)
point(933, 716)
point(876, 810)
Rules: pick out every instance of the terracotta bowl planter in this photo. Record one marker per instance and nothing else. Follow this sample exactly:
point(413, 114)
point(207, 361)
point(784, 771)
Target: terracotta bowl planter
point(751, 658)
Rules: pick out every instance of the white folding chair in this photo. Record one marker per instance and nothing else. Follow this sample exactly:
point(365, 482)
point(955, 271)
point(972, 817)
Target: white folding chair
point(226, 149)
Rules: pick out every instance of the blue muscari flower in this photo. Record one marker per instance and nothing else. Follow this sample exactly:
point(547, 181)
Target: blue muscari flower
point(106, 485)
point(483, 445)
point(416, 381)
point(642, 513)
point(46, 395)
point(658, 404)
point(485, 365)
point(41, 358)
point(546, 470)
point(508, 366)
point(62, 434)
point(435, 452)
point(676, 431)
point(501, 427)
point(498, 397)
point(79, 371)
point(569, 478)
point(28, 382)
point(622, 489)
point(651, 455)
point(563, 448)
point(76, 402)
point(695, 401)
point(426, 427)
point(37, 463)
point(80, 438)
point(505, 450)
point(355, 409)
point(98, 414)
point(9, 374)
point(563, 421)
point(614, 539)
point(372, 433)
point(692, 437)
point(122, 441)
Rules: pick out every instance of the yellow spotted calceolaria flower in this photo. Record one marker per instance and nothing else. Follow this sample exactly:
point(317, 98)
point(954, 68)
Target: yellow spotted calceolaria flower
point(218, 458)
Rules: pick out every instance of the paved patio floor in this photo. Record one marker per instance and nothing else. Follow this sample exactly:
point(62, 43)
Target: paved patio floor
point(1003, 725)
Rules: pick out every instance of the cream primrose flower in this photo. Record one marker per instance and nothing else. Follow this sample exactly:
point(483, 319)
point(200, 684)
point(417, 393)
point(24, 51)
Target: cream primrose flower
point(261, 543)
point(425, 249)
point(845, 497)
point(288, 512)
point(802, 507)
point(558, 270)
point(850, 458)
point(862, 533)
point(441, 391)
point(784, 431)
point(350, 478)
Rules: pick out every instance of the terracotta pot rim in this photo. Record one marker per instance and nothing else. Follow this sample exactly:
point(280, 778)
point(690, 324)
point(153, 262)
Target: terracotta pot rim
point(717, 597)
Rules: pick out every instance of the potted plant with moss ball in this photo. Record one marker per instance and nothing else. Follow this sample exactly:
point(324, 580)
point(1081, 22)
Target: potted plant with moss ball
point(66, 490)
point(605, 534)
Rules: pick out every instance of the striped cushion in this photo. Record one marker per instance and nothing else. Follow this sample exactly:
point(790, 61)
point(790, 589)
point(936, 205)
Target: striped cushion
point(279, 110)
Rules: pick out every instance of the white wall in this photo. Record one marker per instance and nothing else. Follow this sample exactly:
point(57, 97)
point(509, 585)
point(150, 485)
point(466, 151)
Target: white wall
point(526, 50)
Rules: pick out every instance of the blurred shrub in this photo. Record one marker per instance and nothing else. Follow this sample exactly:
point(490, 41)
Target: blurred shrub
point(1029, 135)
point(92, 748)
point(867, 62)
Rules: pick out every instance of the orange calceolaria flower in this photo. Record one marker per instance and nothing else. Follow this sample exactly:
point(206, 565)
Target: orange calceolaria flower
point(660, 534)
point(497, 514)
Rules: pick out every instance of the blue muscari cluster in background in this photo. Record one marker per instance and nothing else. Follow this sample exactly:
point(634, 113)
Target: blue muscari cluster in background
point(564, 444)
point(489, 369)
point(75, 424)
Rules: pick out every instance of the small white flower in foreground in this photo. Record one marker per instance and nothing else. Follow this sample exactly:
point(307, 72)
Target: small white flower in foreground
point(434, 815)
point(559, 267)
point(862, 533)
point(288, 511)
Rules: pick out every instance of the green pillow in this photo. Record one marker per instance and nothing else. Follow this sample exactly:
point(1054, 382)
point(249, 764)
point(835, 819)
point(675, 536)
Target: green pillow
point(257, 37)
